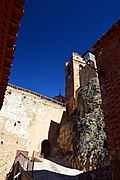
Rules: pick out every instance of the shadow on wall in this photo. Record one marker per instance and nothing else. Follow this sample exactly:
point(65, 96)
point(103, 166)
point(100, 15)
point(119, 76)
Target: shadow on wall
point(53, 132)
point(48, 175)
point(47, 144)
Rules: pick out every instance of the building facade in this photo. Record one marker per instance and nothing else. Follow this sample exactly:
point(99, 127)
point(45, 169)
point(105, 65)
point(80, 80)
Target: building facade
point(26, 119)
point(107, 51)
point(73, 80)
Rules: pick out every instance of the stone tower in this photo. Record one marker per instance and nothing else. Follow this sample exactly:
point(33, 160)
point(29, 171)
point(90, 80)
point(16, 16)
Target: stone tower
point(73, 67)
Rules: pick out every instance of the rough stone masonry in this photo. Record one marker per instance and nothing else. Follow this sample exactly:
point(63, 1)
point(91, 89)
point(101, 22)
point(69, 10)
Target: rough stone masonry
point(82, 140)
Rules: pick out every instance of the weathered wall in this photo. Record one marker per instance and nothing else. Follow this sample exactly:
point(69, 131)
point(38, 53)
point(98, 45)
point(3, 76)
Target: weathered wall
point(24, 122)
point(86, 74)
point(107, 51)
point(69, 88)
point(82, 139)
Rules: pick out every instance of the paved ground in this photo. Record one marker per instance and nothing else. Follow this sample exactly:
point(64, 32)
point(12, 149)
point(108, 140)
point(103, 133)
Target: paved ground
point(49, 170)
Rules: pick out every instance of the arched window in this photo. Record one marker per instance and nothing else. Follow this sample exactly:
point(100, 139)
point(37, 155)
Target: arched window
point(91, 63)
point(45, 148)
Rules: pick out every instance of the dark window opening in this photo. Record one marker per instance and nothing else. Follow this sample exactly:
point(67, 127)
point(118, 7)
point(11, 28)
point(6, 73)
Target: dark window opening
point(91, 63)
point(80, 67)
point(45, 148)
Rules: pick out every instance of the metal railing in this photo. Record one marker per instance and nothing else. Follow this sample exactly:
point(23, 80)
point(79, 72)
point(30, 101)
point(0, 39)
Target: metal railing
point(22, 160)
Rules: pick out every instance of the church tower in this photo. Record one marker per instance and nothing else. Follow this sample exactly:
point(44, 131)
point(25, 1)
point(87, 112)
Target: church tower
point(73, 68)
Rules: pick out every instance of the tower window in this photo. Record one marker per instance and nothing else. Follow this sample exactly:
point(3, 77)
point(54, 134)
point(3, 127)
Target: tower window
point(91, 63)
point(80, 67)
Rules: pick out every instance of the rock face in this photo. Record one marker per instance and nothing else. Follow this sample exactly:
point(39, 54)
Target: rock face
point(82, 139)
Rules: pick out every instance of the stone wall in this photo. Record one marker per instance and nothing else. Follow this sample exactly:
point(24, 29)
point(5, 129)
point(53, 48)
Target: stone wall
point(86, 74)
point(90, 138)
point(63, 148)
point(82, 140)
point(72, 80)
point(25, 119)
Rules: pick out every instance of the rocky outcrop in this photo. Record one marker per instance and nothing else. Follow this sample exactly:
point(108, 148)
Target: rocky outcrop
point(82, 140)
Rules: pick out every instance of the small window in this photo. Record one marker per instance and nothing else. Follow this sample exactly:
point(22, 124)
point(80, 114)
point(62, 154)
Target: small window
point(91, 63)
point(80, 67)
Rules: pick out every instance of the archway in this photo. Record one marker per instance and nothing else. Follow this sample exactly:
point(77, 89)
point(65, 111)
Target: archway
point(45, 148)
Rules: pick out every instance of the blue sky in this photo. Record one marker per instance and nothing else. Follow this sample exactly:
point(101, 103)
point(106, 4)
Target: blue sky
point(50, 31)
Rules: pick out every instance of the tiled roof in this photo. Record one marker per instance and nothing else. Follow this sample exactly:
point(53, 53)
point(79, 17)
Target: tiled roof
point(11, 12)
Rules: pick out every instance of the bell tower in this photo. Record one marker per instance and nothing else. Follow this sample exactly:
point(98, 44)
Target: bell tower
point(73, 80)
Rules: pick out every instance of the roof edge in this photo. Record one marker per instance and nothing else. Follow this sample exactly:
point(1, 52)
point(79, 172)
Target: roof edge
point(108, 36)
